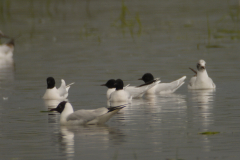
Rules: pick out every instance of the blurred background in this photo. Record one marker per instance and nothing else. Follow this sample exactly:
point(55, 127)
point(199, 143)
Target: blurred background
point(91, 41)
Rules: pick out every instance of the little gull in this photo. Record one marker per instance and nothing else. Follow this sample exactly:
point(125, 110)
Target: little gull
point(201, 80)
point(53, 93)
point(162, 88)
point(134, 91)
point(84, 117)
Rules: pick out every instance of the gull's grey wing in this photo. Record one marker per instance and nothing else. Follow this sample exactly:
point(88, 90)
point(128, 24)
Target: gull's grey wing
point(170, 87)
point(87, 115)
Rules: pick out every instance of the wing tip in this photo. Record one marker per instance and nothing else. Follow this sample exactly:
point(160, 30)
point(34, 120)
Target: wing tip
point(110, 109)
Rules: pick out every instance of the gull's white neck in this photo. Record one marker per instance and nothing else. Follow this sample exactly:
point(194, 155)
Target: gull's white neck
point(202, 75)
point(66, 112)
point(109, 92)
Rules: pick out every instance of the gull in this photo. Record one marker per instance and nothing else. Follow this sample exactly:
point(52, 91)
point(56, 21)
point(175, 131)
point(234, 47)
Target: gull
point(201, 80)
point(162, 88)
point(134, 91)
point(53, 93)
point(84, 117)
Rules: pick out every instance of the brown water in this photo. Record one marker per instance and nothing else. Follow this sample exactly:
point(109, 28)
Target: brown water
point(89, 42)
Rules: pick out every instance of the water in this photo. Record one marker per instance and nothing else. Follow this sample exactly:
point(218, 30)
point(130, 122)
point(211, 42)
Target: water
point(89, 42)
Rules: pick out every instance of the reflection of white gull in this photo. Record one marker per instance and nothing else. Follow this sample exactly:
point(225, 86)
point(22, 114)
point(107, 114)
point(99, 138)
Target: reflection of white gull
point(91, 133)
point(135, 91)
point(84, 117)
point(203, 100)
point(201, 80)
point(53, 93)
point(68, 141)
point(162, 88)
point(51, 103)
point(203, 97)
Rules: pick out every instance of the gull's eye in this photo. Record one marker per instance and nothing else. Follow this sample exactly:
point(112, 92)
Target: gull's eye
point(198, 65)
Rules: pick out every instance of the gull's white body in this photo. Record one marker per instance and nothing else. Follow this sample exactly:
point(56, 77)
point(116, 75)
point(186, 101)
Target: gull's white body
point(109, 92)
point(85, 117)
point(166, 88)
point(60, 93)
point(120, 96)
point(138, 92)
point(201, 81)
point(135, 92)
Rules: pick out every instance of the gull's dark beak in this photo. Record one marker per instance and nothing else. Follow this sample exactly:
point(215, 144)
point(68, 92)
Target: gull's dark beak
point(103, 85)
point(140, 79)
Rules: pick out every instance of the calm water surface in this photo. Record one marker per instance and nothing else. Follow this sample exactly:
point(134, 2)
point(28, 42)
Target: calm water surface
point(89, 42)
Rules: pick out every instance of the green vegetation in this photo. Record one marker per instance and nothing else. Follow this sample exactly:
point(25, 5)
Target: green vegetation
point(127, 21)
point(208, 133)
point(222, 29)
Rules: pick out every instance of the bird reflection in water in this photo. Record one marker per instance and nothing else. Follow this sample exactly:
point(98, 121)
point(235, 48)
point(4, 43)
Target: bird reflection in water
point(165, 102)
point(53, 117)
point(204, 99)
point(71, 137)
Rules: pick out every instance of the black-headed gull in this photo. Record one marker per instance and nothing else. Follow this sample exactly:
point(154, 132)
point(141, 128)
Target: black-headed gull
point(84, 117)
point(134, 91)
point(162, 88)
point(53, 93)
point(201, 80)
point(120, 95)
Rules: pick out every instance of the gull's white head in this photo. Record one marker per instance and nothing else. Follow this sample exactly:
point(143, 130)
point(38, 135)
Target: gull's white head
point(201, 65)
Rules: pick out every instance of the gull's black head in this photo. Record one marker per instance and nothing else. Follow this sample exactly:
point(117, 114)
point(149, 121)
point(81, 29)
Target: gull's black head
point(201, 65)
point(110, 83)
point(60, 107)
point(147, 77)
point(50, 83)
point(119, 84)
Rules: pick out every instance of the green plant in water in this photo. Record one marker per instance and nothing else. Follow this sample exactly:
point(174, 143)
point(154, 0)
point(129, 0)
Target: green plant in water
point(209, 45)
point(208, 133)
point(128, 22)
point(234, 32)
point(87, 31)
point(209, 30)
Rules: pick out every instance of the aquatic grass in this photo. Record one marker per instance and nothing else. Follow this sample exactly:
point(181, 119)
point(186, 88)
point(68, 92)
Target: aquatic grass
point(48, 3)
point(233, 33)
point(123, 21)
point(87, 32)
point(228, 31)
point(115, 156)
point(5, 7)
point(139, 24)
point(208, 133)
point(214, 46)
point(135, 156)
point(209, 30)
